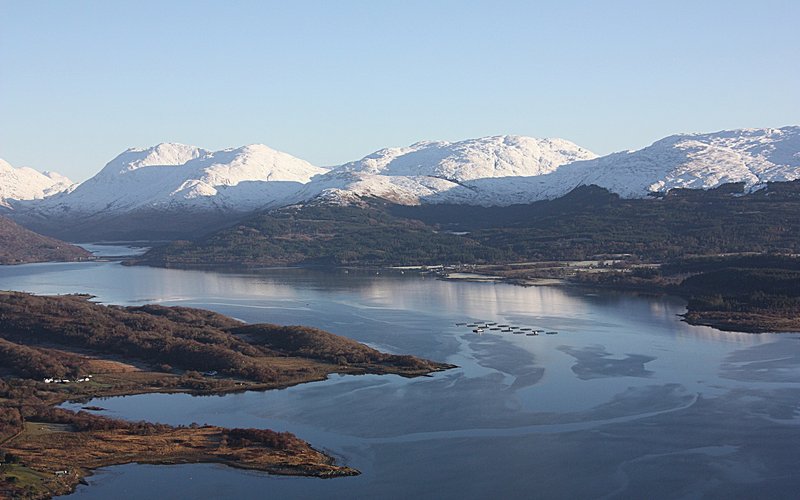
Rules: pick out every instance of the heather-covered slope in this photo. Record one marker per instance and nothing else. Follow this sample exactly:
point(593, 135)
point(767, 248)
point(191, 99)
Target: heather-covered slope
point(19, 245)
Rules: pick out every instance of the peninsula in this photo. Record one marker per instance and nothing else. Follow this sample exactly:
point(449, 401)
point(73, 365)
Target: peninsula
point(55, 349)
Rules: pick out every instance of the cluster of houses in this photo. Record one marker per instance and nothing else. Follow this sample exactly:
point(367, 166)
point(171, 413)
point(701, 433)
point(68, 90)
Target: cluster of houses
point(66, 380)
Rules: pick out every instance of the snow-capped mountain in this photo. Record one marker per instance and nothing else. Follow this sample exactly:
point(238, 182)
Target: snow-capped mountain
point(499, 156)
point(176, 176)
point(136, 188)
point(508, 170)
point(25, 183)
point(695, 161)
point(499, 170)
point(446, 171)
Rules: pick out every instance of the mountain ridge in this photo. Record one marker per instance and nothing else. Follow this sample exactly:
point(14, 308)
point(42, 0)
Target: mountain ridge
point(171, 175)
point(25, 183)
point(171, 183)
point(494, 170)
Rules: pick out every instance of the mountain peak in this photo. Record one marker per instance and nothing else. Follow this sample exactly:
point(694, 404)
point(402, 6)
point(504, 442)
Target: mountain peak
point(696, 161)
point(25, 183)
point(178, 176)
point(258, 149)
point(484, 157)
point(163, 154)
point(493, 170)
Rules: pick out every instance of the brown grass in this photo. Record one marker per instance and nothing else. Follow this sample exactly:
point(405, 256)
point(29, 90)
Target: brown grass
point(49, 448)
point(118, 346)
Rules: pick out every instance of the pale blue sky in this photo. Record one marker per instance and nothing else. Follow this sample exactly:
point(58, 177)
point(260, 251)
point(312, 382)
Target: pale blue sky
point(331, 81)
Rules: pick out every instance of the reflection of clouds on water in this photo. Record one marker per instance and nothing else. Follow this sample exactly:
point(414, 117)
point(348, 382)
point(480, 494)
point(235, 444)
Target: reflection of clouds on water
point(177, 285)
point(114, 283)
point(709, 334)
point(542, 307)
point(467, 301)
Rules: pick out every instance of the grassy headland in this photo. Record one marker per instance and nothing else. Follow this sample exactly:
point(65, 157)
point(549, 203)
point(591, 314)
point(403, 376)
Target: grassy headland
point(21, 246)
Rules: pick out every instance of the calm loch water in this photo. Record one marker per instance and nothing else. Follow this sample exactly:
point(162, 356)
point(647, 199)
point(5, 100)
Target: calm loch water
point(625, 402)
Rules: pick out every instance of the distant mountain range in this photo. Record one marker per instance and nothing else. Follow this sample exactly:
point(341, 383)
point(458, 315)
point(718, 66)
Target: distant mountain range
point(169, 184)
point(170, 176)
point(24, 183)
point(477, 171)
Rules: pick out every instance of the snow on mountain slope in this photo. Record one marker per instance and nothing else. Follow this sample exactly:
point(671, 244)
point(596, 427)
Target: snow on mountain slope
point(444, 171)
point(499, 156)
point(499, 170)
point(176, 176)
point(508, 170)
point(25, 183)
point(695, 161)
point(164, 154)
point(342, 187)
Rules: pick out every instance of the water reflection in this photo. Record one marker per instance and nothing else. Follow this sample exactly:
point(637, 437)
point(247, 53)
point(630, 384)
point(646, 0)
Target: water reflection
point(622, 397)
point(113, 250)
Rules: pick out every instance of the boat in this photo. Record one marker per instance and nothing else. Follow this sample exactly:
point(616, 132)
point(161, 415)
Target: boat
point(503, 326)
point(526, 329)
point(494, 328)
point(551, 333)
point(531, 334)
point(515, 333)
point(478, 330)
point(460, 324)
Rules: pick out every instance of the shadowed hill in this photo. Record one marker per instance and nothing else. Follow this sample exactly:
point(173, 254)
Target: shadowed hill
point(587, 222)
point(19, 245)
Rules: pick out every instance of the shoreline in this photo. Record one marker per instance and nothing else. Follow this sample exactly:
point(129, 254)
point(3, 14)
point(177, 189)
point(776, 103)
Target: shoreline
point(751, 323)
point(47, 450)
point(34, 443)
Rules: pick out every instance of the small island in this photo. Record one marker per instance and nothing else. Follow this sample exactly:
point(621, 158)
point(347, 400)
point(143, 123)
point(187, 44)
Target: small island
point(57, 349)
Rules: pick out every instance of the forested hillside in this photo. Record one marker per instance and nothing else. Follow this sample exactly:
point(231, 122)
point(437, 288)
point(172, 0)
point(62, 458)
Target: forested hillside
point(588, 222)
